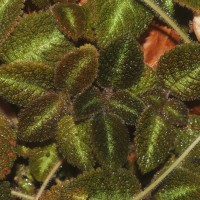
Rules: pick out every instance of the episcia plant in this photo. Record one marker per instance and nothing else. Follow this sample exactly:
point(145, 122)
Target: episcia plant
point(75, 76)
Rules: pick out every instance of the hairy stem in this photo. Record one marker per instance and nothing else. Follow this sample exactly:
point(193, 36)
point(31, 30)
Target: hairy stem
point(49, 177)
point(167, 19)
point(167, 172)
point(21, 195)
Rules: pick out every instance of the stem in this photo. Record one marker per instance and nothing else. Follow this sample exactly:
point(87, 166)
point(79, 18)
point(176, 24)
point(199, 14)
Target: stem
point(49, 177)
point(21, 195)
point(158, 10)
point(168, 171)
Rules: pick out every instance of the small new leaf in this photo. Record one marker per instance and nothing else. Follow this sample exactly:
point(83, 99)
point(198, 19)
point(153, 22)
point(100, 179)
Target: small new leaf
point(21, 83)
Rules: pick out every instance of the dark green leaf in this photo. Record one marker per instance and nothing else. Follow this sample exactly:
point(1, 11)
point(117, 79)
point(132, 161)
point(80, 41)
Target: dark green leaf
point(21, 83)
point(41, 3)
point(37, 122)
point(121, 64)
point(36, 38)
point(179, 70)
point(154, 138)
point(110, 138)
point(74, 142)
point(78, 70)
point(5, 192)
point(42, 160)
point(71, 19)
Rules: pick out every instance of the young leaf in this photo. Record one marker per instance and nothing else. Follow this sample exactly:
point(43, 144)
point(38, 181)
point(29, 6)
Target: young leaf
point(37, 122)
point(71, 19)
point(191, 4)
point(110, 138)
point(126, 106)
point(21, 83)
point(42, 160)
point(109, 19)
point(154, 138)
point(74, 142)
point(10, 11)
point(5, 192)
point(88, 104)
point(78, 70)
point(102, 185)
point(121, 63)
point(7, 146)
point(36, 38)
point(182, 75)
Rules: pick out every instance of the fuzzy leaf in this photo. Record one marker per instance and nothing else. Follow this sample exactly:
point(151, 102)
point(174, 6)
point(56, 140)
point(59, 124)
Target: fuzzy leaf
point(37, 122)
point(78, 70)
point(191, 4)
point(74, 142)
point(126, 106)
point(110, 138)
point(182, 75)
point(10, 11)
point(154, 138)
point(7, 146)
point(181, 184)
point(71, 19)
point(121, 64)
point(21, 83)
point(102, 185)
point(42, 160)
point(36, 38)
point(88, 104)
point(5, 192)
point(109, 19)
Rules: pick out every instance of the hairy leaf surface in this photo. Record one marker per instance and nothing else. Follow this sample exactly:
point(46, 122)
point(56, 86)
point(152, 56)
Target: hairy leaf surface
point(110, 138)
point(191, 4)
point(36, 38)
point(78, 70)
point(37, 122)
point(121, 64)
point(74, 142)
point(23, 82)
point(179, 70)
point(102, 184)
point(154, 137)
point(10, 11)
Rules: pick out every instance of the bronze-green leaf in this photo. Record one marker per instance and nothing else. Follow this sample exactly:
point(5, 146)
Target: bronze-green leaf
point(21, 83)
point(179, 70)
point(37, 122)
point(78, 69)
point(121, 63)
point(154, 138)
point(5, 191)
point(10, 11)
point(42, 160)
point(36, 38)
point(71, 19)
point(110, 138)
point(74, 142)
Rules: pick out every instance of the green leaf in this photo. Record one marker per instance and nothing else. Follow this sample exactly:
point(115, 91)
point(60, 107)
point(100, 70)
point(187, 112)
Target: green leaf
point(37, 122)
point(121, 63)
point(5, 192)
point(102, 185)
point(166, 5)
point(181, 184)
point(109, 19)
point(126, 106)
point(110, 138)
point(74, 142)
point(41, 3)
point(191, 4)
point(182, 75)
point(42, 160)
point(7, 146)
point(71, 19)
point(36, 38)
point(21, 83)
point(10, 11)
point(78, 70)
point(153, 138)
